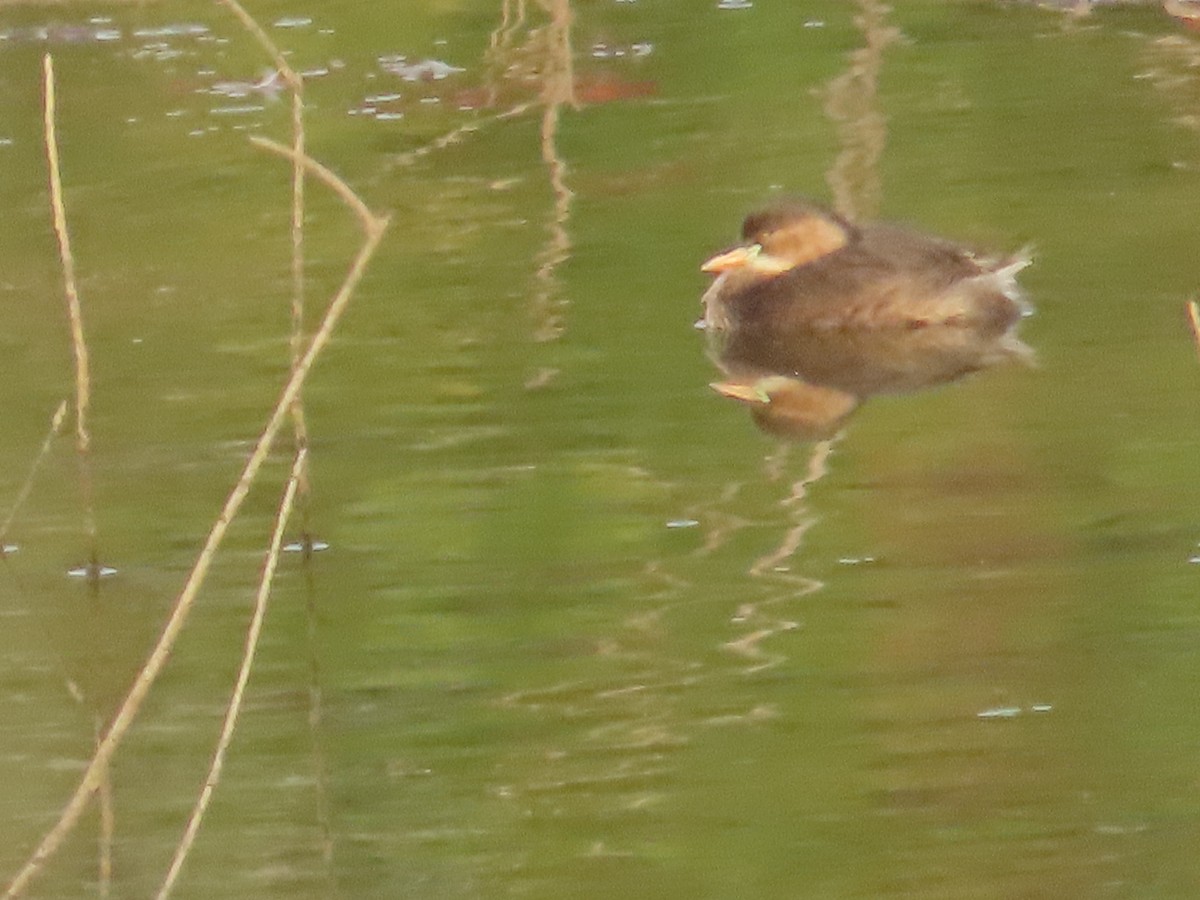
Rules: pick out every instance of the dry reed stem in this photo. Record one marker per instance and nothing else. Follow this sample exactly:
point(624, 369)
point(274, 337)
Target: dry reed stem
point(74, 309)
point(56, 422)
point(1193, 319)
point(370, 222)
point(130, 707)
point(295, 82)
point(253, 633)
point(299, 425)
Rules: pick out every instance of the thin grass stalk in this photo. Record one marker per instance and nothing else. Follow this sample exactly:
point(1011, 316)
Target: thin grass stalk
point(69, 817)
point(304, 475)
point(56, 423)
point(253, 635)
point(74, 315)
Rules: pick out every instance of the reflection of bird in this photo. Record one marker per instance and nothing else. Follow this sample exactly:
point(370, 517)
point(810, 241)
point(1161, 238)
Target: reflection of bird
point(789, 407)
point(859, 309)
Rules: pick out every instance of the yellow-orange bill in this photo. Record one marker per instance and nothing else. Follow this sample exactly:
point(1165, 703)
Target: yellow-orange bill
point(740, 390)
point(730, 259)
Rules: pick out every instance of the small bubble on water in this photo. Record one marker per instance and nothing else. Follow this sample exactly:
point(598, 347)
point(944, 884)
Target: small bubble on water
point(1000, 712)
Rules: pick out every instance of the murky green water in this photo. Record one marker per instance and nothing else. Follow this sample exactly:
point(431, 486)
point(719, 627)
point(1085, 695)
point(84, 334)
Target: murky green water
point(582, 631)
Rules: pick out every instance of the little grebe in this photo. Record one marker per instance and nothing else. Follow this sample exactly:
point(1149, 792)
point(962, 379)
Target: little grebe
point(861, 309)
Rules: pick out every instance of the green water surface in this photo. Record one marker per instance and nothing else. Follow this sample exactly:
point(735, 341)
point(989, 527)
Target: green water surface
point(581, 630)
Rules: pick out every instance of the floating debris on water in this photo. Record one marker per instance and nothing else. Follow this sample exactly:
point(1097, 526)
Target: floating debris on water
point(95, 31)
point(91, 570)
point(157, 51)
point(182, 29)
point(310, 546)
point(243, 110)
point(293, 22)
point(683, 523)
point(601, 50)
point(371, 106)
point(1011, 712)
point(425, 70)
point(734, 4)
point(268, 86)
point(1000, 712)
